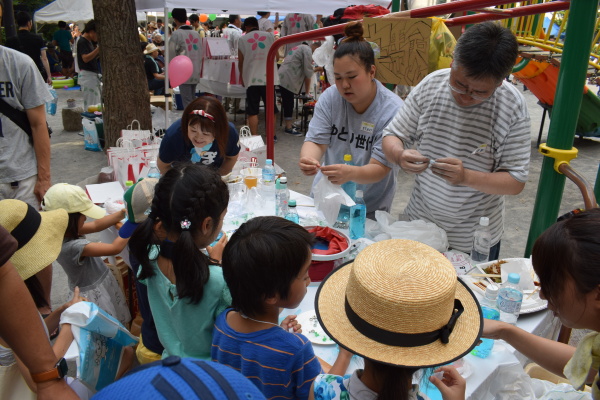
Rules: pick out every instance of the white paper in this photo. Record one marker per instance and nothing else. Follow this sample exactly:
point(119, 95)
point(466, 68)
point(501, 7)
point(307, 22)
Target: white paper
point(99, 193)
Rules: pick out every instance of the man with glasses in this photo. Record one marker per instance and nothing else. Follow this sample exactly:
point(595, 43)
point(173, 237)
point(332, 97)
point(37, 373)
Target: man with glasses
point(465, 132)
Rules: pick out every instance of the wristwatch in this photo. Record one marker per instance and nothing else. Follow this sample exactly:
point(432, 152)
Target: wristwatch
point(58, 372)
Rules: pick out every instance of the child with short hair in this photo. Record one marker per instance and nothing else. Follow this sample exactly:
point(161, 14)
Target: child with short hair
point(265, 265)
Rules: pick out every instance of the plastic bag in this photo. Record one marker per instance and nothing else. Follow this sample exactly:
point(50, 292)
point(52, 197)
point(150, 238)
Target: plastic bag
point(100, 340)
point(52, 104)
point(425, 232)
point(441, 46)
point(90, 135)
point(329, 198)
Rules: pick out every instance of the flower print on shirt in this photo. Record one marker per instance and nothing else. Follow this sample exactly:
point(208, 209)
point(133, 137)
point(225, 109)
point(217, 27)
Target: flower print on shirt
point(257, 41)
point(192, 43)
point(295, 20)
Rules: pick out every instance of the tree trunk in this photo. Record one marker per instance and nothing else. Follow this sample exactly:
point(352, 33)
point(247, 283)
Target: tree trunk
point(125, 88)
point(8, 19)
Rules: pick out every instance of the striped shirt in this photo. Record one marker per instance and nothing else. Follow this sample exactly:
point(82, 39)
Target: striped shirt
point(492, 136)
point(281, 364)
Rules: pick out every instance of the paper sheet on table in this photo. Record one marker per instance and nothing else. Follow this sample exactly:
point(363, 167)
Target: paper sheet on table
point(329, 198)
point(100, 192)
point(524, 268)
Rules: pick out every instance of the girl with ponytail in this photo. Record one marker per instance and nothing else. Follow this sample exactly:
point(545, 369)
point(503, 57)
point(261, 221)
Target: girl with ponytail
point(186, 289)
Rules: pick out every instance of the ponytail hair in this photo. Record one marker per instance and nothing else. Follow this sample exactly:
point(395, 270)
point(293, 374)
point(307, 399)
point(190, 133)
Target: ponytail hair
point(355, 46)
point(187, 192)
point(394, 382)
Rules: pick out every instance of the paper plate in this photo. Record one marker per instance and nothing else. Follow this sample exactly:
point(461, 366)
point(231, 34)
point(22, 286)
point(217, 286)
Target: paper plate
point(312, 329)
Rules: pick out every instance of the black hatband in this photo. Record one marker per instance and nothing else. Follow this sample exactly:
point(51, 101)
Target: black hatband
point(28, 227)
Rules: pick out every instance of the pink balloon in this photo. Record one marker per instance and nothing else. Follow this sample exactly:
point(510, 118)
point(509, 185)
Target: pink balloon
point(180, 70)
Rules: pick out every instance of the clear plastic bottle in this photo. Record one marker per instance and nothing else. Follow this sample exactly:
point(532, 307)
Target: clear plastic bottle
point(481, 241)
point(153, 172)
point(292, 213)
point(268, 172)
point(510, 299)
point(52, 104)
point(282, 195)
point(350, 188)
point(358, 217)
point(491, 295)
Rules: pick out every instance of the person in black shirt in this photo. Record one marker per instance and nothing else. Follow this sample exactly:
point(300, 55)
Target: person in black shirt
point(154, 75)
point(31, 44)
point(87, 59)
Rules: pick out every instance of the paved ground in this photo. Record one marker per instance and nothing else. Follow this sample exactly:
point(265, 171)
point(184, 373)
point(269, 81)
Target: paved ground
point(72, 164)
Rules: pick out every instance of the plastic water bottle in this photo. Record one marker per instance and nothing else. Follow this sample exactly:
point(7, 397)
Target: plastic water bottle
point(153, 172)
point(268, 172)
point(282, 195)
point(51, 105)
point(358, 217)
point(350, 188)
point(510, 299)
point(292, 213)
point(484, 349)
point(481, 241)
point(491, 295)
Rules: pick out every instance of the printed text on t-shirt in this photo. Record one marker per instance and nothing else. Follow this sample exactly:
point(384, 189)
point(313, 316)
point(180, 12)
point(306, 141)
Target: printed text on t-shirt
point(361, 141)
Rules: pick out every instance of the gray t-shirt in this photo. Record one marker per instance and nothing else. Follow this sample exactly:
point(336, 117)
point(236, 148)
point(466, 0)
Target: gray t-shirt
point(296, 66)
point(336, 124)
point(84, 272)
point(186, 41)
point(23, 88)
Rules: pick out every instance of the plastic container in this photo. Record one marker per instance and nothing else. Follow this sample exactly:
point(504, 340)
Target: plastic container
point(510, 299)
point(349, 187)
point(481, 241)
point(490, 296)
point(52, 104)
point(153, 172)
point(484, 349)
point(268, 172)
point(358, 217)
point(282, 195)
point(292, 213)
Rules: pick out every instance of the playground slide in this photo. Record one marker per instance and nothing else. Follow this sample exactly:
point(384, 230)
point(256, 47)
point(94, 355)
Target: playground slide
point(541, 78)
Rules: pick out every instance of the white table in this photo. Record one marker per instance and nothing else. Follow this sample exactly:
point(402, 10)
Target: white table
point(541, 323)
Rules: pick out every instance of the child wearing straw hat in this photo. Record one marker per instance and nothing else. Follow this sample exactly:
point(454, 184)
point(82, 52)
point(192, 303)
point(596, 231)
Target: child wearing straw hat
point(401, 307)
point(80, 258)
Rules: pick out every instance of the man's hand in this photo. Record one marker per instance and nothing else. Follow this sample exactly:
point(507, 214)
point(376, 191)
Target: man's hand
point(338, 173)
point(452, 385)
point(309, 166)
point(451, 169)
point(412, 161)
point(40, 188)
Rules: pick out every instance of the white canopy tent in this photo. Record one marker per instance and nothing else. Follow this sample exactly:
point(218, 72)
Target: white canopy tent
point(69, 11)
point(324, 7)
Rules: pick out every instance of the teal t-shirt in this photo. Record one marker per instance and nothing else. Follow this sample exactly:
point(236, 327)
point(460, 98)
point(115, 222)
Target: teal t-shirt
point(63, 38)
point(185, 329)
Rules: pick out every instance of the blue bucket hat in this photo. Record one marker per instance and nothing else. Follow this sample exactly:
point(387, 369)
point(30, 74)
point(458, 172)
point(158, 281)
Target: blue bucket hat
point(182, 378)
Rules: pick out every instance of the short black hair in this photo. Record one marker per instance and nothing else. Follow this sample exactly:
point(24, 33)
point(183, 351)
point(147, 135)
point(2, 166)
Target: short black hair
point(179, 15)
point(194, 18)
point(486, 50)
point(90, 26)
point(251, 22)
point(233, 18)
point(262, 13)
point(72, 230)
point(62, 24)
point(262, 259)
point(22, 18)
point(159, 20)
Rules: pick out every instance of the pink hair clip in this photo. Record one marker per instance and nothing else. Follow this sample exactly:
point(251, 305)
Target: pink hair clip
point(204, 114)
point(185, 224)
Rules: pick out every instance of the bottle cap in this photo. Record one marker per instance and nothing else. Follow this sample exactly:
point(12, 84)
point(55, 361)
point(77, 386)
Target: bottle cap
point(492, 290)
point(283, 180)
point(292, 203)
point(128, 183)
point(484, 221)
point(347, 157)
point(359, 193)
point(269, 162)
point(152, 164)
point(513, 277)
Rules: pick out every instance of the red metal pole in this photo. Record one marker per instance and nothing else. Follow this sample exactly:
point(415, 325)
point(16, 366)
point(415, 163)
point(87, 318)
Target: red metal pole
point(533, 9)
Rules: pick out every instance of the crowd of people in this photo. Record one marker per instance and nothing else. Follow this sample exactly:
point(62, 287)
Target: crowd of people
point(211, 305)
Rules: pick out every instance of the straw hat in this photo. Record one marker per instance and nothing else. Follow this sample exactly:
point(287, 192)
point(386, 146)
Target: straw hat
point(151, 48)
point(39, 234)
point(71, 198)
point(402, 293)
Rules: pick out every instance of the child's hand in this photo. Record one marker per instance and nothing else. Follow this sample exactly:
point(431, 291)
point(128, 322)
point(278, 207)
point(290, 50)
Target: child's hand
point(452, 385)
point(216, 252)
point(76, 298)
point(290, 322)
